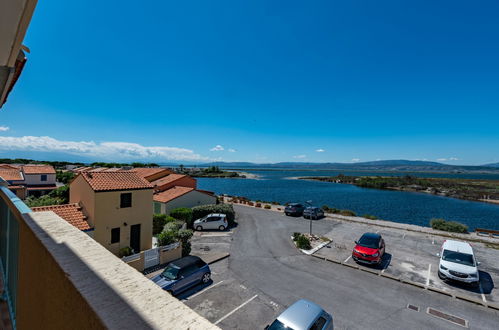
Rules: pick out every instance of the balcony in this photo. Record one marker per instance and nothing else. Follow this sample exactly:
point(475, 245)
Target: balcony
point(55, 276)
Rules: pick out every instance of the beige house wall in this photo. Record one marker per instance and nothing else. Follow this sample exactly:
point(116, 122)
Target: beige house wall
point(191, 199)
point(109, 215)
point(81, 192)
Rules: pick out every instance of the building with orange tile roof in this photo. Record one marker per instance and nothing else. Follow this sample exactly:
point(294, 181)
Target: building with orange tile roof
point(173, 180)
point(72, 213)
point(152, 173)
point(38, 179)
point(118, 207)
point(178, 196)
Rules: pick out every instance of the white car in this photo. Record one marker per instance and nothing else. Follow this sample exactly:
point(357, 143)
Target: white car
point(458, 263)
point(212, 221)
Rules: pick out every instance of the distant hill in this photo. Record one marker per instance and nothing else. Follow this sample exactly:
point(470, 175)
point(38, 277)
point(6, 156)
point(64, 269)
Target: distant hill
point(492, 165)
point(380, 165)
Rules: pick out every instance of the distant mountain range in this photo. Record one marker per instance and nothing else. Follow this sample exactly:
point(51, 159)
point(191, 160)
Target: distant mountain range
point(492, 165)
point(380, 165)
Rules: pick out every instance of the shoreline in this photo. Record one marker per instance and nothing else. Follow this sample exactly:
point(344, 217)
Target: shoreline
point(402, 189)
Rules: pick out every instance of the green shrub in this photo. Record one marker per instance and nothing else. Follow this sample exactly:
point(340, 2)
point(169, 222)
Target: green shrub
point(182, 213)
point(203, 210)
point(295, 236)
point(43, 201)
point(326, 208)
point(348, 213)
point(267, 207)
point(125, 252)
point(167, 237)
point(303, 243)
point(451, 226)
point(184, 236)
point(370, 216)
point(158, 223)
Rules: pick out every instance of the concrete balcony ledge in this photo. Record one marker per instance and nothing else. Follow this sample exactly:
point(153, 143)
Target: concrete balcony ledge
point(67, 280)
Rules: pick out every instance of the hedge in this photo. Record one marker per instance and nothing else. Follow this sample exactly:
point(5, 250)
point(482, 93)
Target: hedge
point(182, 213)
point(303, 242)
point(203, 210)
point(451, 226)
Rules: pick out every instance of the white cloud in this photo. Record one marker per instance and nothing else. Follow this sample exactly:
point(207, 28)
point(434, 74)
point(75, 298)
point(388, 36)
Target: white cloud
point(355, 160)
point(4, 128)
point(103, 150)
point(447, 159)
point(320, 150)
point(231, 150)
point(217, 148)
point(300, 156)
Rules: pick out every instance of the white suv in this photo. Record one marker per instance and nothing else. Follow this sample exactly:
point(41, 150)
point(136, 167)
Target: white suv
point(457, 262)
point(212, 221)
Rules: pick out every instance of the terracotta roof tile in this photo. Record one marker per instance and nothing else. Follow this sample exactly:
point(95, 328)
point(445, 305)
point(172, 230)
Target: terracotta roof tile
point(38, 169)
point(145, 172)
point(118, 180)
point(72, 213)
point(171, 194)
point(11, 174)
point(168, 179)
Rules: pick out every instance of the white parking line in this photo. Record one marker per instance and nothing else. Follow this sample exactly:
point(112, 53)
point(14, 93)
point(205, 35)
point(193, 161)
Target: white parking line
point(202, 291)
point(428, 277)
point(347, 259)
point(481, 292)
point(235, 309)
point(403, 237)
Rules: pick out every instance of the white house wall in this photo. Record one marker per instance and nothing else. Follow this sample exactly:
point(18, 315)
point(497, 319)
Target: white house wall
point(191, 199)
point(36, 179)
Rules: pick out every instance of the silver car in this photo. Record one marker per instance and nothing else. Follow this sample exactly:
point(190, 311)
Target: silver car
point(303, 315)
point(212, 221)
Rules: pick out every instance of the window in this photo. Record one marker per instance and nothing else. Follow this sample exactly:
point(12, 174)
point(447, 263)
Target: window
point(157, 207)
point(319, 324)
point(213, 219)
point(43, 177)
point(115, 235)
point(126, 200)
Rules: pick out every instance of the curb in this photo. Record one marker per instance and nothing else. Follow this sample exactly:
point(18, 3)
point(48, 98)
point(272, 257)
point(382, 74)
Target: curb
point(219, 258)
point(415, 284)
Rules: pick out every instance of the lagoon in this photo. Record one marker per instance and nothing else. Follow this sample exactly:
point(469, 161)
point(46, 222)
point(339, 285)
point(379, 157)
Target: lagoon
point(397, 206)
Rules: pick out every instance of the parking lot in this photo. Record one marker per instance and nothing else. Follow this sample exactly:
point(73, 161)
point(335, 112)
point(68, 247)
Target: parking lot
point(412, 256)
point(265, 274)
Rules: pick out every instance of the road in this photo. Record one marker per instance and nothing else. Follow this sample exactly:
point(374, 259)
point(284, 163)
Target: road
point(265, 260)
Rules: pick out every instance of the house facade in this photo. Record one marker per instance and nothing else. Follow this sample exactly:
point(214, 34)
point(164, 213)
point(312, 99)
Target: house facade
point(118, 208)
point(29, 180)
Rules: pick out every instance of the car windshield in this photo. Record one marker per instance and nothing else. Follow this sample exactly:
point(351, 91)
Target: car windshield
point(458, 257)
point(278, 325)
point(369, 242)
point(170, 272)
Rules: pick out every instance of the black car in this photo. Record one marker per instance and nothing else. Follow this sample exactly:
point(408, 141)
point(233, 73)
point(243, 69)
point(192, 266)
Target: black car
point(294, 209)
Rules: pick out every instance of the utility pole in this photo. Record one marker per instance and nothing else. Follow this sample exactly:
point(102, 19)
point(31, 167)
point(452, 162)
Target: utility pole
point(310, 204)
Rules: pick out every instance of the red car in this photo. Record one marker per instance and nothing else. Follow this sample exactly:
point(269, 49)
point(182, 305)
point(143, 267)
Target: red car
point(369, 249)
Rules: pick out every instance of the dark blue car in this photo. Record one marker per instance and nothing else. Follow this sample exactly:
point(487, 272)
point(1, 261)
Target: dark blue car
point(182, 274)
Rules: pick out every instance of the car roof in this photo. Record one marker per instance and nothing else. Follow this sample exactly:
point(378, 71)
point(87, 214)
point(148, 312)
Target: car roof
point(458, 246)
point(372, 235)
point(301, 314)
point(186, 261)
point(216, 215)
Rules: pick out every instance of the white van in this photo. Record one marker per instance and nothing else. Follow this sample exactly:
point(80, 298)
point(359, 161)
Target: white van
point(458, 263)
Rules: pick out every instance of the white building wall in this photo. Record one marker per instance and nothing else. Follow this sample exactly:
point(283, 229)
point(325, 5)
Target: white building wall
point(191, 199)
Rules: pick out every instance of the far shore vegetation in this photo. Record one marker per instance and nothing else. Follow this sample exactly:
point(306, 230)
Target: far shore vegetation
point(213, 172)
point(468, 189)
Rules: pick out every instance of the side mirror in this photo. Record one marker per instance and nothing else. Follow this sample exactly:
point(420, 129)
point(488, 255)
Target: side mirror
point(438, 254)
point(478, 263)
point(266, 327)
point(356, 242)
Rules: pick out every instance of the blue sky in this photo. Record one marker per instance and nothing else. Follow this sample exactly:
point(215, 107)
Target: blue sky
point(266, 81)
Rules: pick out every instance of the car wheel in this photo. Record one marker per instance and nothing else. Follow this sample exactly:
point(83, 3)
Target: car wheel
point(206, 278)
point(199, 228)
point(170, 292)
point(287, 214)
point(221, 228)
point(440, 276)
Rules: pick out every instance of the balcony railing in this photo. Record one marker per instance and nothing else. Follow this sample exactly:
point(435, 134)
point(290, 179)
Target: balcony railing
point(11, 211)
point(55, 275)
